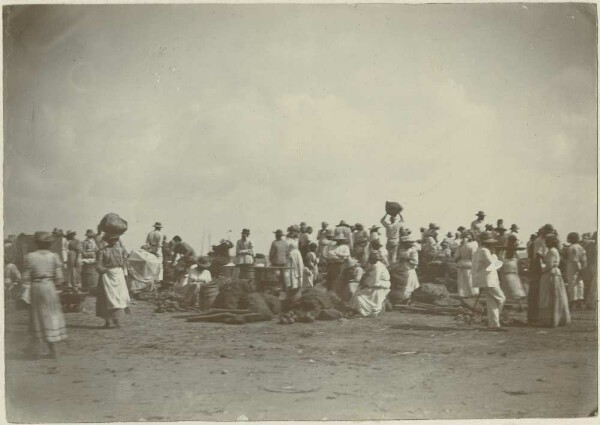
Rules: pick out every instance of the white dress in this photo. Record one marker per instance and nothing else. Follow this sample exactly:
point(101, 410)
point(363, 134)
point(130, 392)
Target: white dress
point(368, 301)
point(296, 265)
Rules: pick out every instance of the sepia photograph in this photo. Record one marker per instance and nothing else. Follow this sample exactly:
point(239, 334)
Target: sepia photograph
point(300, 212)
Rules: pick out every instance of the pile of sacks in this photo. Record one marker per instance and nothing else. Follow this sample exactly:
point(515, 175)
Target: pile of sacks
point(314, 304)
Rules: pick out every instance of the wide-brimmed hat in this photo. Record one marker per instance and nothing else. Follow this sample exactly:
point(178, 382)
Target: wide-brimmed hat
point(489, 227)
point(487, 238)
point(157, 224)
point(278, 232)
point(293, 228)
point(324, 223)
point(43, 237)
point(514, 227)
point(480, 214)
point(374, 228)
point(245, 231)
point(450, 234)
point(434, 226)
point(71, 233)
point(359, 226)
point(203, 262)
point(461, 229)
point(548, 228)
point(90, 232)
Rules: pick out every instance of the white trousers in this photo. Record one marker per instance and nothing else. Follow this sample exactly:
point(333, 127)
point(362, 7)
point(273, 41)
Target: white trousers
point(495, 299)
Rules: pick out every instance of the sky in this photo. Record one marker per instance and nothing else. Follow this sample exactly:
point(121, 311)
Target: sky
point(211, 118)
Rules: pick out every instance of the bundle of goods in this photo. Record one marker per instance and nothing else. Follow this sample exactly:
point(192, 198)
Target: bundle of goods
point(434, 293)
point(393, 208)
point(230, 293)
point(112, 224)
point(314, 304)
point(253, 307)
point(165, 301)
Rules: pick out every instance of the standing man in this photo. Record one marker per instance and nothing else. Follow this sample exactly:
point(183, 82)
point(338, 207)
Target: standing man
point(344, 229)
point(155, 241)
point(322, 238)
point(392, 230)
point(278, 256)
point(244, 251)
point(478, 226)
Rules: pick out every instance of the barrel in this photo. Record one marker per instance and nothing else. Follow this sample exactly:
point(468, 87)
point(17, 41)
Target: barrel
point(89, 278)
point(208, 294)
point(246, 271)
point(226, 271)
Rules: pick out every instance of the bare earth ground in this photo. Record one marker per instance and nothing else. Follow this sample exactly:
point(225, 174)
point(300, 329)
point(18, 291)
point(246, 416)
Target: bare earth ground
point(398, 366)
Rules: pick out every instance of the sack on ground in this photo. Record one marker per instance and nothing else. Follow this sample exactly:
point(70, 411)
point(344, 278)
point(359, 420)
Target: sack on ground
point(429, 292)
point(256, 304)
point(273, 302)
point(329, 314)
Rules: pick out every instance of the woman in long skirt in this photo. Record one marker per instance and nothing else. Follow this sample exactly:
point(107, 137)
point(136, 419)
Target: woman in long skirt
point(464, 260)
point(113, 297)
point(74, 263)
point(408, 260)
point(510, 282)
point(553, 302)
point(295, 264)
point(89, 275)
point(43, 270)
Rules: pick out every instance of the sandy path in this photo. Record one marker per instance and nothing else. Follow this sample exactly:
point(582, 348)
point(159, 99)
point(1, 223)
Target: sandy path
point(161, 368)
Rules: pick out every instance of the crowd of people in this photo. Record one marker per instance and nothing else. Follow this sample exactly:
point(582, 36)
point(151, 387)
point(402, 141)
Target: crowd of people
point(348, 260)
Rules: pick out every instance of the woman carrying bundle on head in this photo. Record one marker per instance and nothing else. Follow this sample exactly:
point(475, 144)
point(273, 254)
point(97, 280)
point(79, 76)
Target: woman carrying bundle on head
point(42, 271)
point(113, 297)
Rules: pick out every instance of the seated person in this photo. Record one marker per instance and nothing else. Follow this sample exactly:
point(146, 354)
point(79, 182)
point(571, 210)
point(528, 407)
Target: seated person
point(198, 275)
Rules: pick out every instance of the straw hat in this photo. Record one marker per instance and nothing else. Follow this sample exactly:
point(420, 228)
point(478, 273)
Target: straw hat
point(278, 232)
point(203, 262)
point(89, 232)
point(480, 214)
point(157, 224)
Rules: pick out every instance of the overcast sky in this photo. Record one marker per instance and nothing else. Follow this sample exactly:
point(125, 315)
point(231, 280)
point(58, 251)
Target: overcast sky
point(216, 117)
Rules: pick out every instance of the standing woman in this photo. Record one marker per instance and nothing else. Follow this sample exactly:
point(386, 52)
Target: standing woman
point(553, 306)
point(408, 260)
point(43, 270)
point(361, 241)
point(294, 262)
point(113, 296)
point(464, 260)
point(510, 282)
point(576, 263)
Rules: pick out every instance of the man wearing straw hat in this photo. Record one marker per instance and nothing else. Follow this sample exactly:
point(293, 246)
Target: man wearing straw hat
point(478, 226)
point(485, 275)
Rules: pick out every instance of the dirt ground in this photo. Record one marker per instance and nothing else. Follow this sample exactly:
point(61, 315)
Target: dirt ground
point(398, 366)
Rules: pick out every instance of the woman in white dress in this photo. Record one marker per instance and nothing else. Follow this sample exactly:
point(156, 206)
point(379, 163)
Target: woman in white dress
point(510, 282)
point(464, 257)
point(576, 263)
point(369, 298)
point(408, 260)
point(553, 303)
point(295, 263)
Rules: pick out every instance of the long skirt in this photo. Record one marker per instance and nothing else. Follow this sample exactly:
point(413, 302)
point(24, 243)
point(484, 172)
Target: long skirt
point(574, 282)
point(465, 283)
point(113, 296)
point(412, 283)
point(369, 301)
point(511, 285)
point(553, 307)
point(47, 321)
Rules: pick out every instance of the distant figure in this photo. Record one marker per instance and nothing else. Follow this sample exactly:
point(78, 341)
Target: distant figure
point(408, 260)
point(304, 240)
point(278, 252)
point(485, 276)
point(510, 282)
point(183, 254)
point(155, 240)
point(12, 280)
point(576, 263)
point(89, 248)
point(464, 261)
point(322, 238)
point(312, 264)
point(244, 250)
point(295, 264)
point(553, 305)
point(478, 226)
point(113, 297)
point(198, 276)
point(539, 250)
point(344, 229)
point(392, 230)
point(43, 271)
point(74, 264)
point(361, 242)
